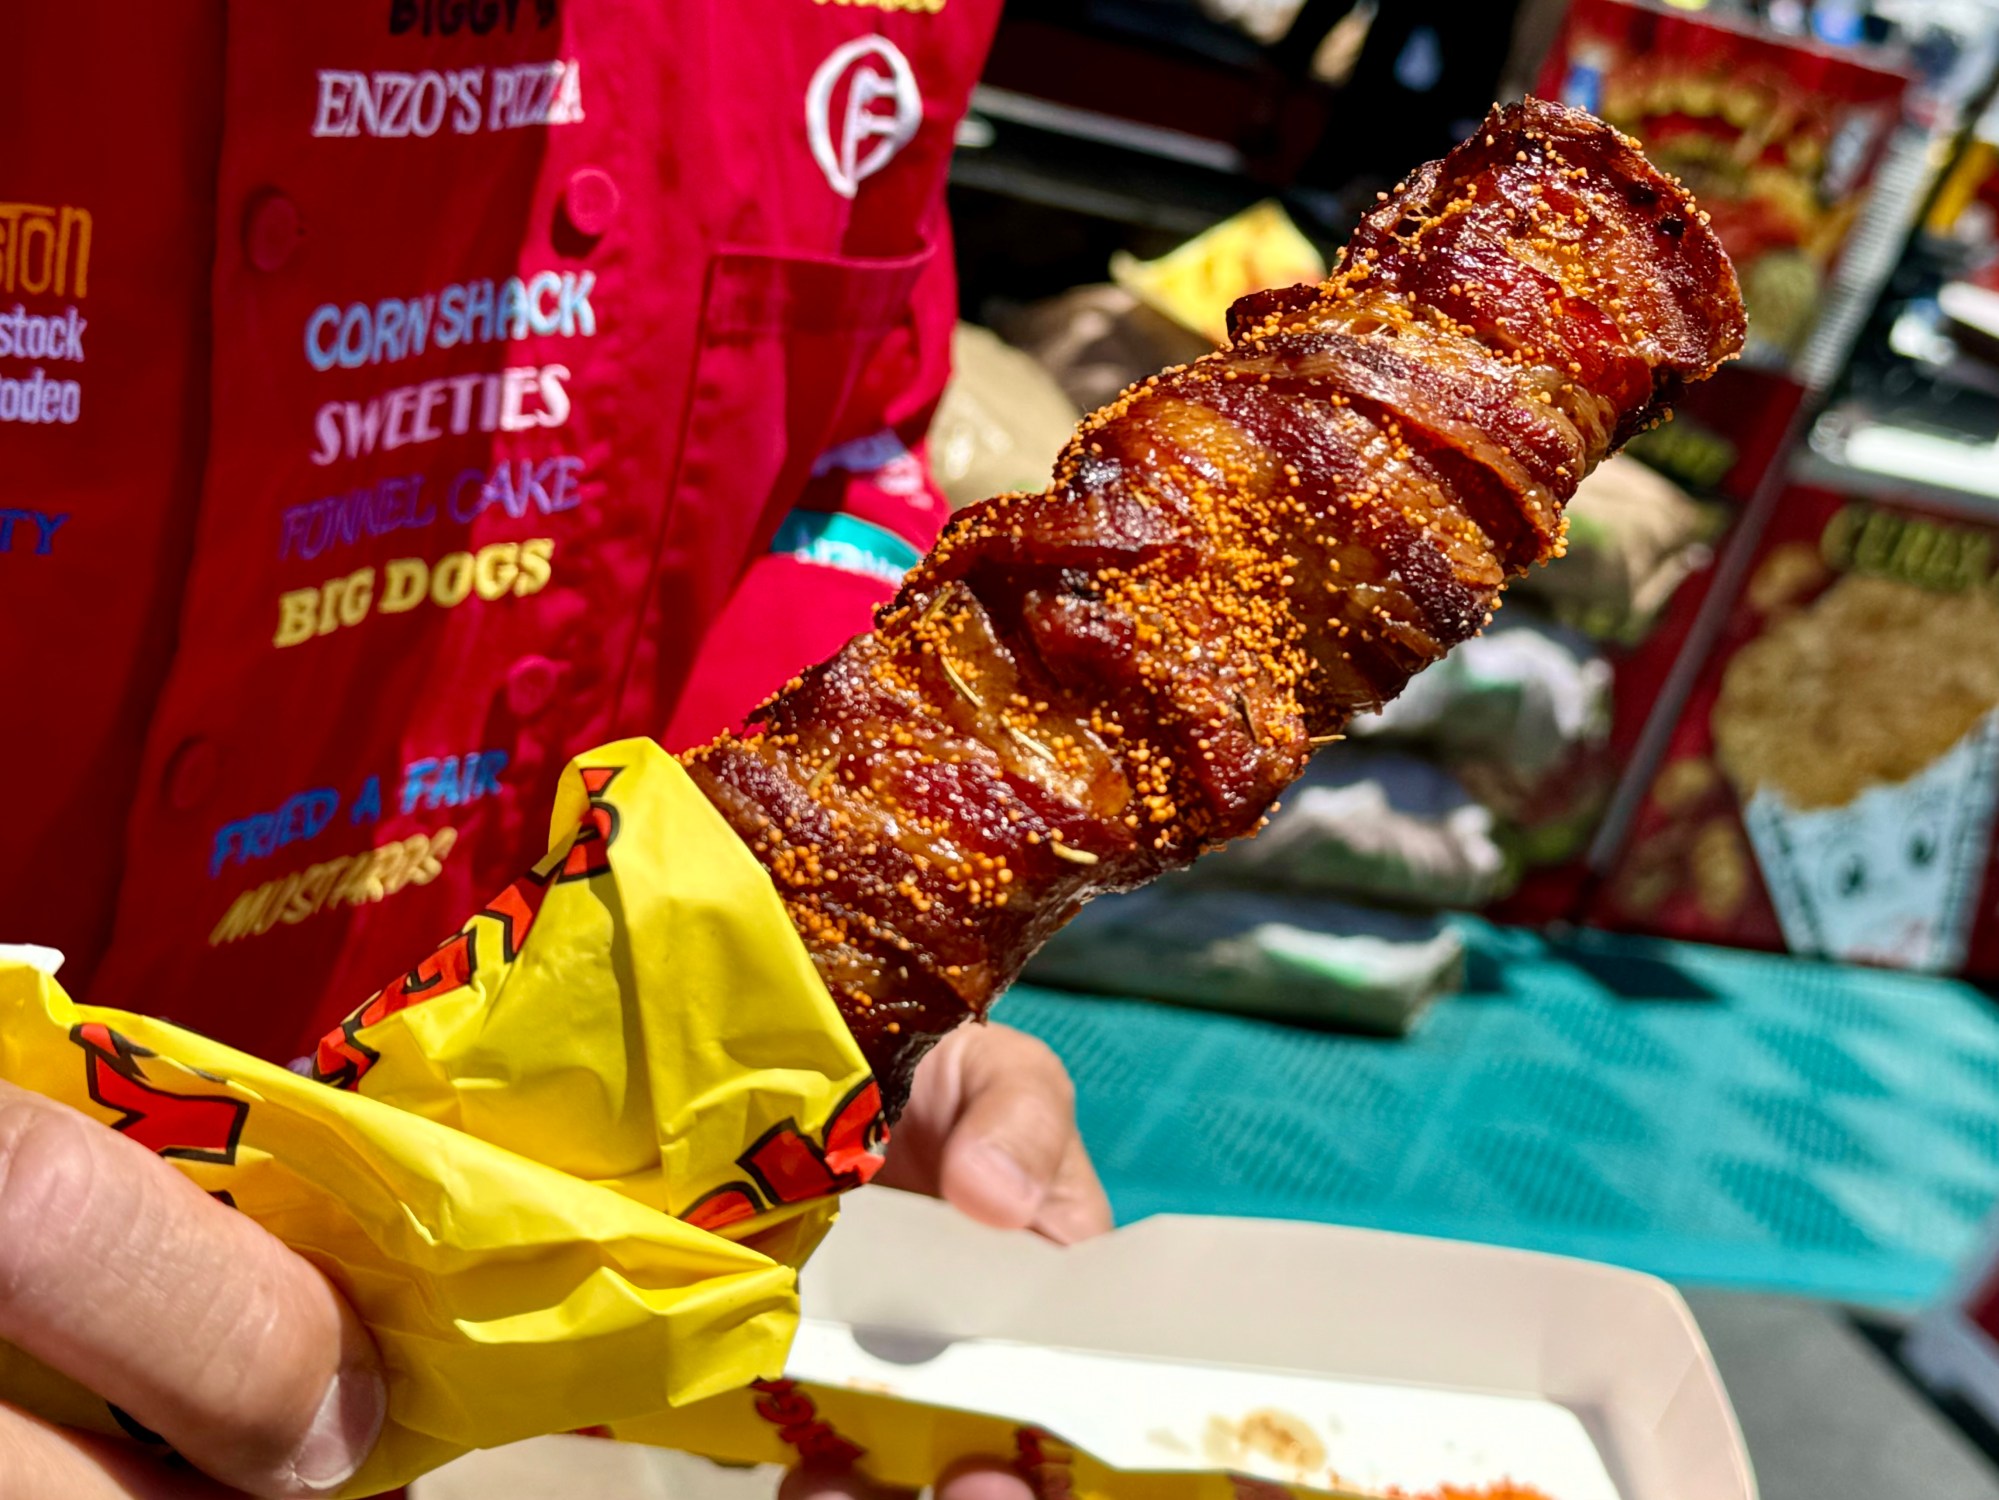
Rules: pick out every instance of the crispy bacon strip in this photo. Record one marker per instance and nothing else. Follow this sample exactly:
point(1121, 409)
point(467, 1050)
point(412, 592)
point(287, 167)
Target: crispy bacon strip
point(1081, 689)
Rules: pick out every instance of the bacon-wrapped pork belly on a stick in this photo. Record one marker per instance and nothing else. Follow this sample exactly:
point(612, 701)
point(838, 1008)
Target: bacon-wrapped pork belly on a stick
point(1082, 689)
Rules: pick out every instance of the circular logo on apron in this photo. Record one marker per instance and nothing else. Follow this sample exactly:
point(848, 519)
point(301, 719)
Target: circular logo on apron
point(862, 107)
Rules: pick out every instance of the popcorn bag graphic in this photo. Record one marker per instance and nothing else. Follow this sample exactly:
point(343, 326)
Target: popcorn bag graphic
point(1862, 733)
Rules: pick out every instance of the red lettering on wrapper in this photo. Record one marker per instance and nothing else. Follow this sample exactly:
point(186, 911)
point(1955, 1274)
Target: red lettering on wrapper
point(590, 855)
point(724, 1206)
point(343, 1059)
point(782, 1404)
point(1045, 1463)
point(786, 1166)
point(189, 1127)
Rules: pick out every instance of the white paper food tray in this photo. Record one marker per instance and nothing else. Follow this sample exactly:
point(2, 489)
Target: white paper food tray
point(1284, 1350)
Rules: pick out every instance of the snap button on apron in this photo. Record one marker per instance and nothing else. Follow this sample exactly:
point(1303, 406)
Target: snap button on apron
point(590, 201)
point(272, 229)
point(190, 774)
point(530, 685)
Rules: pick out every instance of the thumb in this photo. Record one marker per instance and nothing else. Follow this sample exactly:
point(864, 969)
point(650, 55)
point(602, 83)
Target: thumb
point(1016, 1124)
point(820, 1484)
point(119, 1272)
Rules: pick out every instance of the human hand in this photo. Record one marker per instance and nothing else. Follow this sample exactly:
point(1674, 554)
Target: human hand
point(203, 1328)
point(991, 1129)
point(197, 1323)
point(978, 1480)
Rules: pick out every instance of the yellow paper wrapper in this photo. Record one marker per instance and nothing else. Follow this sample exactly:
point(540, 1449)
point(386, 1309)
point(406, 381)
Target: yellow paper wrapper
point(908, 1444)
point(564, 1170)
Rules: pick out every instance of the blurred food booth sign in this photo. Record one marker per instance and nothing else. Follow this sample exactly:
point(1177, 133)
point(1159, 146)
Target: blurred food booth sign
point(1779, 138)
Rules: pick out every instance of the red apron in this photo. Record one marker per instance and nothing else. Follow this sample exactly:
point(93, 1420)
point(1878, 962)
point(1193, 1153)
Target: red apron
point(453, 372)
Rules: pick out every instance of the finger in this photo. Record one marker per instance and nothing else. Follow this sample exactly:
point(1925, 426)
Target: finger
point(983, 1479)
point(822, 1484)
point(37, 1460)
point(1076, 1207)
point(119, 1272)
point(936, 1098)
point(1016, 1124)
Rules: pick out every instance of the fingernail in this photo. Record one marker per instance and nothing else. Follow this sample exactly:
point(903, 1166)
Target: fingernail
point(1067, 1224)
point(824, 1484)
point(1009, 1176)
point(343, 1432)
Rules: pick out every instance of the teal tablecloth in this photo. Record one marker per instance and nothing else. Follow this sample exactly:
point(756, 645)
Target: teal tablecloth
point(1711, 1116)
